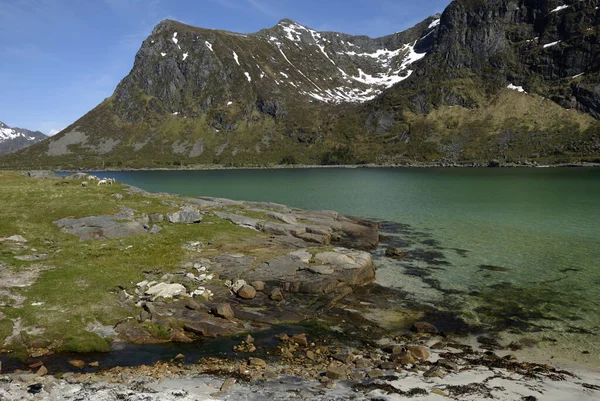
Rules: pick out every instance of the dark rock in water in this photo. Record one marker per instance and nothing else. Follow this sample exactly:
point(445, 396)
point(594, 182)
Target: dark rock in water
point(494, 268)
point(424, 327)
point(35, 388)
point(299, 339)
point(494, 163)
point(489, 343)
point(394, 252)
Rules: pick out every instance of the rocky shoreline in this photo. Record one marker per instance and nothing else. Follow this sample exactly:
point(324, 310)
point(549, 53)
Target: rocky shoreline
point(301, 282)
point(491, 164)
point(423, 366)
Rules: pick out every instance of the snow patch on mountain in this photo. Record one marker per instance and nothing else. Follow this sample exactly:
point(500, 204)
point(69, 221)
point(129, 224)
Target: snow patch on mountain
point(559, 8)
point(434, 23)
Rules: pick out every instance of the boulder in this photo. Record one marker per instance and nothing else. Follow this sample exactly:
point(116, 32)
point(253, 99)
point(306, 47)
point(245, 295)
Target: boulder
point(79, 364)
point(155, 229)
point(165, 290)
point(223, 311)
point(424, 328)
point(156, 217)
point(335, 372)
point(247, 292)
point(258, 285)
point(419, 352)
point(299, 339)
point(276, 295)
point(404, 357)
point(257, 362)
point(394, 252)
point(188, 215)
point(285, 218)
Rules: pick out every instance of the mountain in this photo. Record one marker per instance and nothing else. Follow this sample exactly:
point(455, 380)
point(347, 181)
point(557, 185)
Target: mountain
point(513, 80)
point(13, 139)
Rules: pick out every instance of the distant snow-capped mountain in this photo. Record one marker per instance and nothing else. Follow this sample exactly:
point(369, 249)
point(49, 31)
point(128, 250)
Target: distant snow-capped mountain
point(13, 139)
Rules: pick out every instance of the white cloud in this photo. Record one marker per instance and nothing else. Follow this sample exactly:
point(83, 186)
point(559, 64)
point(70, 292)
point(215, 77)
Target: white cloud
point(54, 131)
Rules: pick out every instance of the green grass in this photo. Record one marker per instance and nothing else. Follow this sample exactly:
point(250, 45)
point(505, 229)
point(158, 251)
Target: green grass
point(81, 279)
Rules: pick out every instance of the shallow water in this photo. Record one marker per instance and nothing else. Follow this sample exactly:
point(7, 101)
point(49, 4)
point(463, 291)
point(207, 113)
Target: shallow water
point(509, 249)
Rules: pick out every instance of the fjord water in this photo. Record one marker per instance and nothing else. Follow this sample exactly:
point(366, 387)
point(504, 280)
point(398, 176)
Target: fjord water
point(515, 249)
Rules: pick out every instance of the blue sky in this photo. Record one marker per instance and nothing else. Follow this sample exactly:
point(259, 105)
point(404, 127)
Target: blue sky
point(61, 58)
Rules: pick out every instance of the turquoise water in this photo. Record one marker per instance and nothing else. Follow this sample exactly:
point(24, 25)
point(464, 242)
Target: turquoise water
point(514, 249)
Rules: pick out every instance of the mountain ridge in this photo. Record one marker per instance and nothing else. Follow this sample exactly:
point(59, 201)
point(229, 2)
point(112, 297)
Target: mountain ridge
point(14, 139)
point(290, 94)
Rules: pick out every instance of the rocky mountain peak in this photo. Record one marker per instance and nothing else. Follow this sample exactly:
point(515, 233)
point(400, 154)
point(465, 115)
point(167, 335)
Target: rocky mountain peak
point(484, 80)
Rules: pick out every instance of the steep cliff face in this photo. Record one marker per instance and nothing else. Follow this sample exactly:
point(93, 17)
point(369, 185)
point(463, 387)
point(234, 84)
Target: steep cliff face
point(486, 79)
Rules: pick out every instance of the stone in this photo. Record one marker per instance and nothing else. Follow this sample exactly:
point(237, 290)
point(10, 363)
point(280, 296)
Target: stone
point(227, 384)
point(179, 357)
point(178, 336)
point(449, 365)
point(257, 362)
point(77, 363)
point(247, 292)
point(276, 295)
point(155, 229)
point(299, 339)
point(405, 358)
point(373, 373)
point(258, 285)
point(363, 363)
point(156, 217)
point(394, 252)
point(224, 311)
point(424, 328)
point(163, 290)
point(335, 372)
point(419, 352)
point(439, 392)
point(357, 376)
point(117, 196)
point(42, 371)
point(187, 215)
point(14, 238)
point(435, 371)
point(35, 388)
point(94, 364)
point(249, 339)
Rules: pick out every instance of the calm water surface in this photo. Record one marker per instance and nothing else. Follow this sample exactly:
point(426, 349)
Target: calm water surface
point(507, 248)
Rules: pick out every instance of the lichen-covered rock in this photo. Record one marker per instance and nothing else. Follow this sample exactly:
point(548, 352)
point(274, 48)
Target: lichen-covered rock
point(188, 215)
